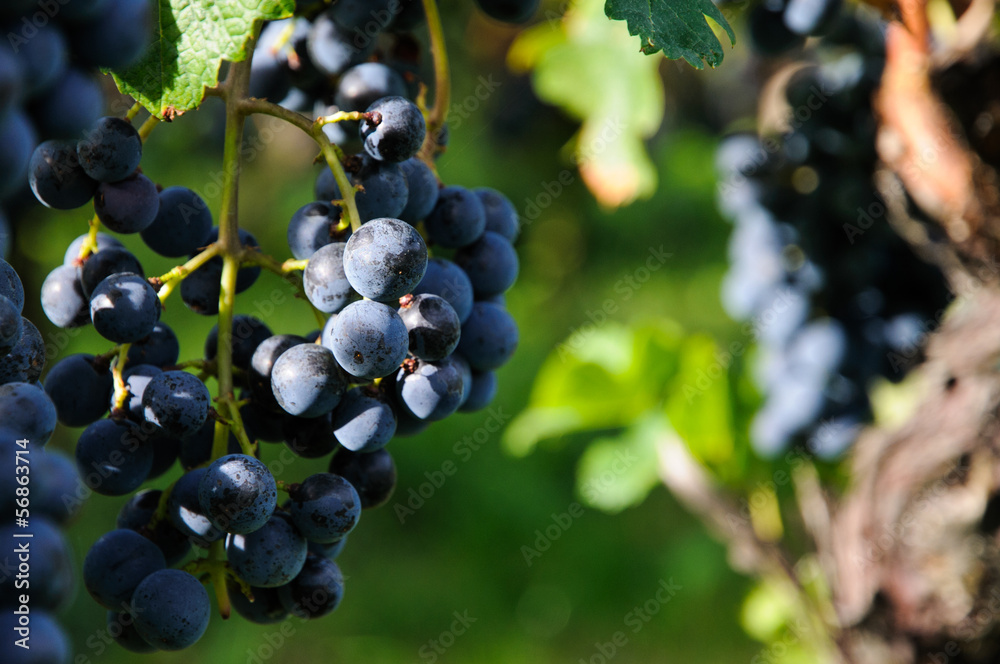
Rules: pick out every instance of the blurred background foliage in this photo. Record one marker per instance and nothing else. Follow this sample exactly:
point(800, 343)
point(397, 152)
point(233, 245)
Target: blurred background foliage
point(623, 343)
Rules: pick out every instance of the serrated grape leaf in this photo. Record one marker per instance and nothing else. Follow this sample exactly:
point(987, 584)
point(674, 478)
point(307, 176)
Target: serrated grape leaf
point(192, 38)
point(677, 27)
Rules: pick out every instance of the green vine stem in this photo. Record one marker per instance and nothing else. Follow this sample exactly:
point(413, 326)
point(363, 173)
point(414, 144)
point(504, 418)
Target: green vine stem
point(442, 82)
point(166, 283)
point(333, 155)
point(121, 393)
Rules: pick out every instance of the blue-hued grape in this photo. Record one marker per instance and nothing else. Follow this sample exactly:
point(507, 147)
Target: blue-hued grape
point(248, 333)
point(26, 360)
point(10, 285)
point(363, 421)
point(372, 474)
point(369, 340)
point(113, 457)
point(483, 391)
point(314, 225)
point(363, 85)
point(458, 219)
point(177, 402)
point(489, 337)
point(385, 259)
point(269, 557)
point(182, 224)
point(49, 644)
point(56, 178)
point(116, 564)
point(309, 438)
point(265, 609)
point(121, 627)
point(316, 591)
point(171, 609)
point(509, 11)
point(124, 308)
point(115, 37)
point(136, 379)
point(422, 186)
point(159, 348)
point(491, 264)
point(79, 389)
point(324, 281)
point(55, 484)
point(333, 48)
point(307, 381)
point(18, 138)
point(99, 266)
point(393, 130)
point(262, 364)
point(238, 493)
point(63, 300)
point(111, 150)
point(127, 206)
point(432, 324)
point(384, 189)
point(185, 512)
point(77, 89)
point(11, 327)
point(325, 507)
point(51, 565)
point(28, 411)
point(466, 371)
point(501, 216)
point(104, 241)
point(430, 390)
point(200, 290)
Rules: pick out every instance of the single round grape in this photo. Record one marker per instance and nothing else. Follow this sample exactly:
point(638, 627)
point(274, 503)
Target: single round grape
point(245, 276)
point(316, 591)
point(307, 381)
point(332, 48)
point(171, 609)
point(446, 280)
point(238, 493)
point(489, 337)
point(501, 216)
point(457, 220)
point(491, 264)
point(63, 300)
point(372, 474)
point(432, 324)
point(363, 421)
point(116, 564)
point(265, 609)
point(56, 178)
point(324, 507)
point(186, 514)
point(111, 150)
point(27, 410)
point(79, 390)
point(363, 85)
point(482, 392)
point(324, 281)
point(113, 457)
point(55, 484)
point(422, 186)
point(104, 263)
point(394, 129)
point(262, 364)
point(385, 259)
point(42, 58)
point(124, 308)
point(25, 362)
point(200, 290)
point(159, 348)
point(314, 225)
point(127, 206)
point(430, 390)
point(177, 402)
point(269, 557)
point(369, 340)
point(182, 224)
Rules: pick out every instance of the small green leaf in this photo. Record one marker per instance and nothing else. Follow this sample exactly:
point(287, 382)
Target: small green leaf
point(617, 473)
point(677, 27)
point(193, 38)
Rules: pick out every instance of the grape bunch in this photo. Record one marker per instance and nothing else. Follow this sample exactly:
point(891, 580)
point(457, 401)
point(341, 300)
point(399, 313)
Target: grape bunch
point(39, 492)
point(836, 298)
point(48, 83)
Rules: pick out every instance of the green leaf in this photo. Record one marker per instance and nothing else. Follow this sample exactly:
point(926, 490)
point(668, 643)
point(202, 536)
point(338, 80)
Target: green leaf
point(617, 473)
point(677, 27)
point(193, 38)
